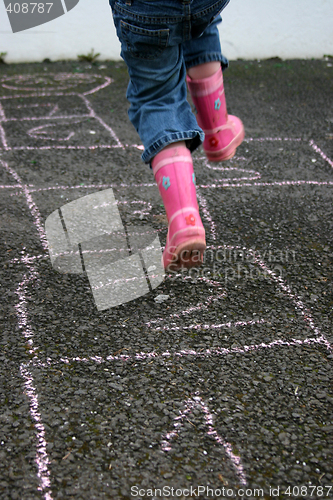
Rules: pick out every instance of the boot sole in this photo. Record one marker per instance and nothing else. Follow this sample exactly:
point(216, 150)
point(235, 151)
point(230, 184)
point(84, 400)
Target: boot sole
point(188, 254)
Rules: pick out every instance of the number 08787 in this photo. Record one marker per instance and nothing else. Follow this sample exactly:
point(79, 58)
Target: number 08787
point(29, 8)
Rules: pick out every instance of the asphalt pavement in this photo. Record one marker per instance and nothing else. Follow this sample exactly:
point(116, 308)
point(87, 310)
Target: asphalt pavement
point(210, 383)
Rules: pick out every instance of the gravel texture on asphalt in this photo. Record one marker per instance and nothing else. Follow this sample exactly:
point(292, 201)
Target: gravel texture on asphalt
point(219, 378)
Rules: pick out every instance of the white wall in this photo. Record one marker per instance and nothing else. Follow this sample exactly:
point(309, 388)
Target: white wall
point(251, 29)
point(288, 29)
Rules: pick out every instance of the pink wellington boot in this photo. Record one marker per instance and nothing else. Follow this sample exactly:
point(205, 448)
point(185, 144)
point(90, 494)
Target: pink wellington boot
point(223, 132)
point(173, 171)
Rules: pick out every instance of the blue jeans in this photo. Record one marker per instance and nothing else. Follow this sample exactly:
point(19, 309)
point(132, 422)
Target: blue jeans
point(160, 39)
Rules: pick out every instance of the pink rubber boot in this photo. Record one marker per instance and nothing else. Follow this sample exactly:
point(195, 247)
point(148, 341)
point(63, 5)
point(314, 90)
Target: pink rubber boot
point(173, 171)
point(223, 132)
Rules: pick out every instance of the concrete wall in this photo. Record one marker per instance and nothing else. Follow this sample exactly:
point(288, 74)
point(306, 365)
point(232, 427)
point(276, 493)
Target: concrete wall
point(251, 29)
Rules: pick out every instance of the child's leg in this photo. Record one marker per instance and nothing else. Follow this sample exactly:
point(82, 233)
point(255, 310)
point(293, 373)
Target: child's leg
point(164, 120)
point(204, 70)
point(151, 36)
point(203, 58)
point(156, 91)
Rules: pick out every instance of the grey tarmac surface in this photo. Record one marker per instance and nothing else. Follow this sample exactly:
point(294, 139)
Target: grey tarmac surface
point(227, 382)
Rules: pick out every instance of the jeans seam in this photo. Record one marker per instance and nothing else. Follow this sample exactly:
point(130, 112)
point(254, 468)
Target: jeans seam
point(145, 31)
point(221, 3)
point(148, 19)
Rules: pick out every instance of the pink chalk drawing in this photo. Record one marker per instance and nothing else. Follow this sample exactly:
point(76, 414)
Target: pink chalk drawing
point(41, 132)
point(42, 458)
point(322, 154)
point(197, 402)
point(252, 175)
point(55, 126)
point(55, 82)
point(55, 88)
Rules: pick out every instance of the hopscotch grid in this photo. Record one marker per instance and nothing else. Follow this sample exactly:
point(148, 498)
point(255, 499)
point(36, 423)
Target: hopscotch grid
point(31, 204)
point(190, 404)
point(320, 152)
point(83, 95)
point(228, 182)
point(48, 118)
point(45, 148)
point(85, 78)
point(69, 119)
point(216, 352)
point(286, 290)
point(34, 189)
point(199, 186)
point(42, 459)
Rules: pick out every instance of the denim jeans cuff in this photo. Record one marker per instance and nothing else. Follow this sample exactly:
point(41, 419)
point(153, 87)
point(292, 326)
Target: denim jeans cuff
point(205, 58)
point(192, 138)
